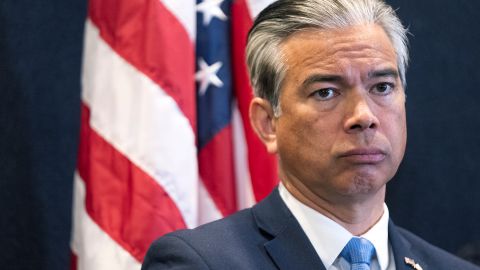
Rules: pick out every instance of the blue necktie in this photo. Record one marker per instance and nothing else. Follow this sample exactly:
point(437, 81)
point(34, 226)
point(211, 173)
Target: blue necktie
point(358, 252)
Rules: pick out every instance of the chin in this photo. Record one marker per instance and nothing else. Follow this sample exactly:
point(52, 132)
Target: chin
point(362, 184)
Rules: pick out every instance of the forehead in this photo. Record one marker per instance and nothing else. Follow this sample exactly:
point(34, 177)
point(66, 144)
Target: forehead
point(361, 47)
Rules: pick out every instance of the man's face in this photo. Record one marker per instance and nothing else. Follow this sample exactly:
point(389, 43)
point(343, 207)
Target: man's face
point(342, 128)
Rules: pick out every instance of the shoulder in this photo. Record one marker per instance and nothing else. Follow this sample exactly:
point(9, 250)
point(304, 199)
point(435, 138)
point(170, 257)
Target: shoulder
point(211, 246)
point(172, 252)
point(221, 230)
point(434, 257)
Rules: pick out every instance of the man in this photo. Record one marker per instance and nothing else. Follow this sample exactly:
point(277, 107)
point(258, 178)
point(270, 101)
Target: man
point(329, 78)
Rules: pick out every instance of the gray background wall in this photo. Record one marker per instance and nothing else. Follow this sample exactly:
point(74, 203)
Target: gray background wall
point(435, 194)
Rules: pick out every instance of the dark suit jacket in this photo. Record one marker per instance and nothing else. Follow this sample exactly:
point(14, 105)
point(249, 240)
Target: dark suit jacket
point(267, 236)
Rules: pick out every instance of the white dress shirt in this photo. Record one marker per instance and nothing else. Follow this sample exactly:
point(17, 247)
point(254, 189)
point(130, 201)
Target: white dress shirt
point(329, 238)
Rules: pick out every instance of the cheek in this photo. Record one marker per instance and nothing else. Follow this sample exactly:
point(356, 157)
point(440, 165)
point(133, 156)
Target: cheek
point(291, 132)
point(397, 132)
point(309, 136)
point(404, 132)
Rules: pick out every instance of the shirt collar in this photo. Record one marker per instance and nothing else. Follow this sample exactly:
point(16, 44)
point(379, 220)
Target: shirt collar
point(378, 236)
point(321, 229)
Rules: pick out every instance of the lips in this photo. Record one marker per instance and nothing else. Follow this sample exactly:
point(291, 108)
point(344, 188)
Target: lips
point(364, 156)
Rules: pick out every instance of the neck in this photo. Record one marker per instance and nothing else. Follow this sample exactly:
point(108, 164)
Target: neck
point(356, 213)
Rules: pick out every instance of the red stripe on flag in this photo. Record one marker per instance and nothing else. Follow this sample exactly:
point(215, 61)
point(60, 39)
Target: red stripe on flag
point(263, 166)
point(73, 261)
point(121, 198)
point(217, 170)
point(150, 38)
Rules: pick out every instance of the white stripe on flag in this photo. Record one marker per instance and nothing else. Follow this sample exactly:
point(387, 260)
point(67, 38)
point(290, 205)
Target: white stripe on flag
point(245, 196)
point(255, 6)
point(207, 211)
point(141, 121)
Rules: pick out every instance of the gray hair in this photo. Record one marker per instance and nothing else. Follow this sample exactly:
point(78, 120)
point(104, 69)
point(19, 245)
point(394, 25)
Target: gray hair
point(286, 17)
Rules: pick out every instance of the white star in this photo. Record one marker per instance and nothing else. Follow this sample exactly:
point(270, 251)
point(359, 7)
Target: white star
point(210, 9)
point(207, 75)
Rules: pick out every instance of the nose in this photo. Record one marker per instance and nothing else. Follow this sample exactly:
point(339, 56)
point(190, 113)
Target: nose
point(360, 116)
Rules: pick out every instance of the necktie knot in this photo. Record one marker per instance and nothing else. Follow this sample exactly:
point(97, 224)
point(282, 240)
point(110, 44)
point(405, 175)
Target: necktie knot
point(358, 252)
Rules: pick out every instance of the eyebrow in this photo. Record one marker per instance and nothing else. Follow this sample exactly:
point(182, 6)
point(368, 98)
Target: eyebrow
point(315, 78)
point(384, 73)
point(321, 78)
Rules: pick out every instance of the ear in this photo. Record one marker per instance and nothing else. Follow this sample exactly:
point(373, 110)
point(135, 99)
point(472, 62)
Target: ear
point(263, 122)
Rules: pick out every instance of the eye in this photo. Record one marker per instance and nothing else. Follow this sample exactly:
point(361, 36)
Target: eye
point(325, 94)
point(383, 89)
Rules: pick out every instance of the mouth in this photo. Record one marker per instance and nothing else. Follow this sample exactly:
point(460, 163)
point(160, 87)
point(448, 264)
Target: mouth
point(364, 156)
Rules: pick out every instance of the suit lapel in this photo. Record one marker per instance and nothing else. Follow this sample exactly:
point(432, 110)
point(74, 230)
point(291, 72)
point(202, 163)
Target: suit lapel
point(291, 249)
point(403, 250)
point(288, 246)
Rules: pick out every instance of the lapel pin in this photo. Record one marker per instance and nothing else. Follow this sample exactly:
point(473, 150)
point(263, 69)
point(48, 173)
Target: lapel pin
point(412, 263)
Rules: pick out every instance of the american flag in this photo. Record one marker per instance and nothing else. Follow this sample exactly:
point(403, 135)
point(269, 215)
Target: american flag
point(165, 138)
